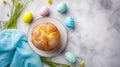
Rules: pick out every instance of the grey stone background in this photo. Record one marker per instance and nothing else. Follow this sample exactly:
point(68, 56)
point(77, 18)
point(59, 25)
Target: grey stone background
point(96, 36)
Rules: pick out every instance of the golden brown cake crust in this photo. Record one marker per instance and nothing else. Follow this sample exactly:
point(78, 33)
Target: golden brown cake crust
point(45, 36)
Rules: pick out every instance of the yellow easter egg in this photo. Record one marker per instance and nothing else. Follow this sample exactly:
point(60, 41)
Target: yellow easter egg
point(82, 64)
point(27, 17)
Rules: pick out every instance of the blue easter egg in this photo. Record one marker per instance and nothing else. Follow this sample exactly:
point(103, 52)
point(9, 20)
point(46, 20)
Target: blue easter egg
point(70, 57)
point(69, 22)
point(62, 7)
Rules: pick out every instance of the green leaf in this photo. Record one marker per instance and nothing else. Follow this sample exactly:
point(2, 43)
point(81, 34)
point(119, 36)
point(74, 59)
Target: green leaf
point(15, 13)
point(52, 64)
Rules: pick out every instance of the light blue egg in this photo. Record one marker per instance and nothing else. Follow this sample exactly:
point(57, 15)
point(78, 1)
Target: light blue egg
point(69, 22)
point(70, 57)
point(62, 7)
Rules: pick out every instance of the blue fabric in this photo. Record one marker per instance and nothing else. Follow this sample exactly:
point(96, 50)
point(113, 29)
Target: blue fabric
point(15, 51)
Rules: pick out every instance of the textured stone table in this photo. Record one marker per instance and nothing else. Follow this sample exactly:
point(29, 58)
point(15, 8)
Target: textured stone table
point(96, 36)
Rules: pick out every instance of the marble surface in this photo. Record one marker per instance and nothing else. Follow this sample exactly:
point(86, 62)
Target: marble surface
point(96, 36)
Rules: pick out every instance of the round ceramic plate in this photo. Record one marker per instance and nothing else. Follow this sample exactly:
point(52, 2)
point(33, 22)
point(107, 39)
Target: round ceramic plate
point(63, 37)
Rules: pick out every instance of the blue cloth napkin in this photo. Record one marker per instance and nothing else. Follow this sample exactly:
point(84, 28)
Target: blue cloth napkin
point(15, 51)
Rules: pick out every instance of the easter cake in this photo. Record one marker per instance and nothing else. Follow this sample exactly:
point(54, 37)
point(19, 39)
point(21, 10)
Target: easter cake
point(45, 36)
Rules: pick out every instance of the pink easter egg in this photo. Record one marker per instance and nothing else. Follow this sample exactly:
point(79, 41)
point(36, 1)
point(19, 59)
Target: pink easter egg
point(44, 11)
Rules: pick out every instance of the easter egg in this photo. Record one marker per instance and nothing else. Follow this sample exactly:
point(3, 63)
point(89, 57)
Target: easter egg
point(44, 11)
point(82, 64)
point(27, 17)
point(69, 22)
point(62, 7)
point(70, 57)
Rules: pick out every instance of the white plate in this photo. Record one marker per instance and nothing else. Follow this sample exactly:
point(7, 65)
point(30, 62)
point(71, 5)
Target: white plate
point(63, 37)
